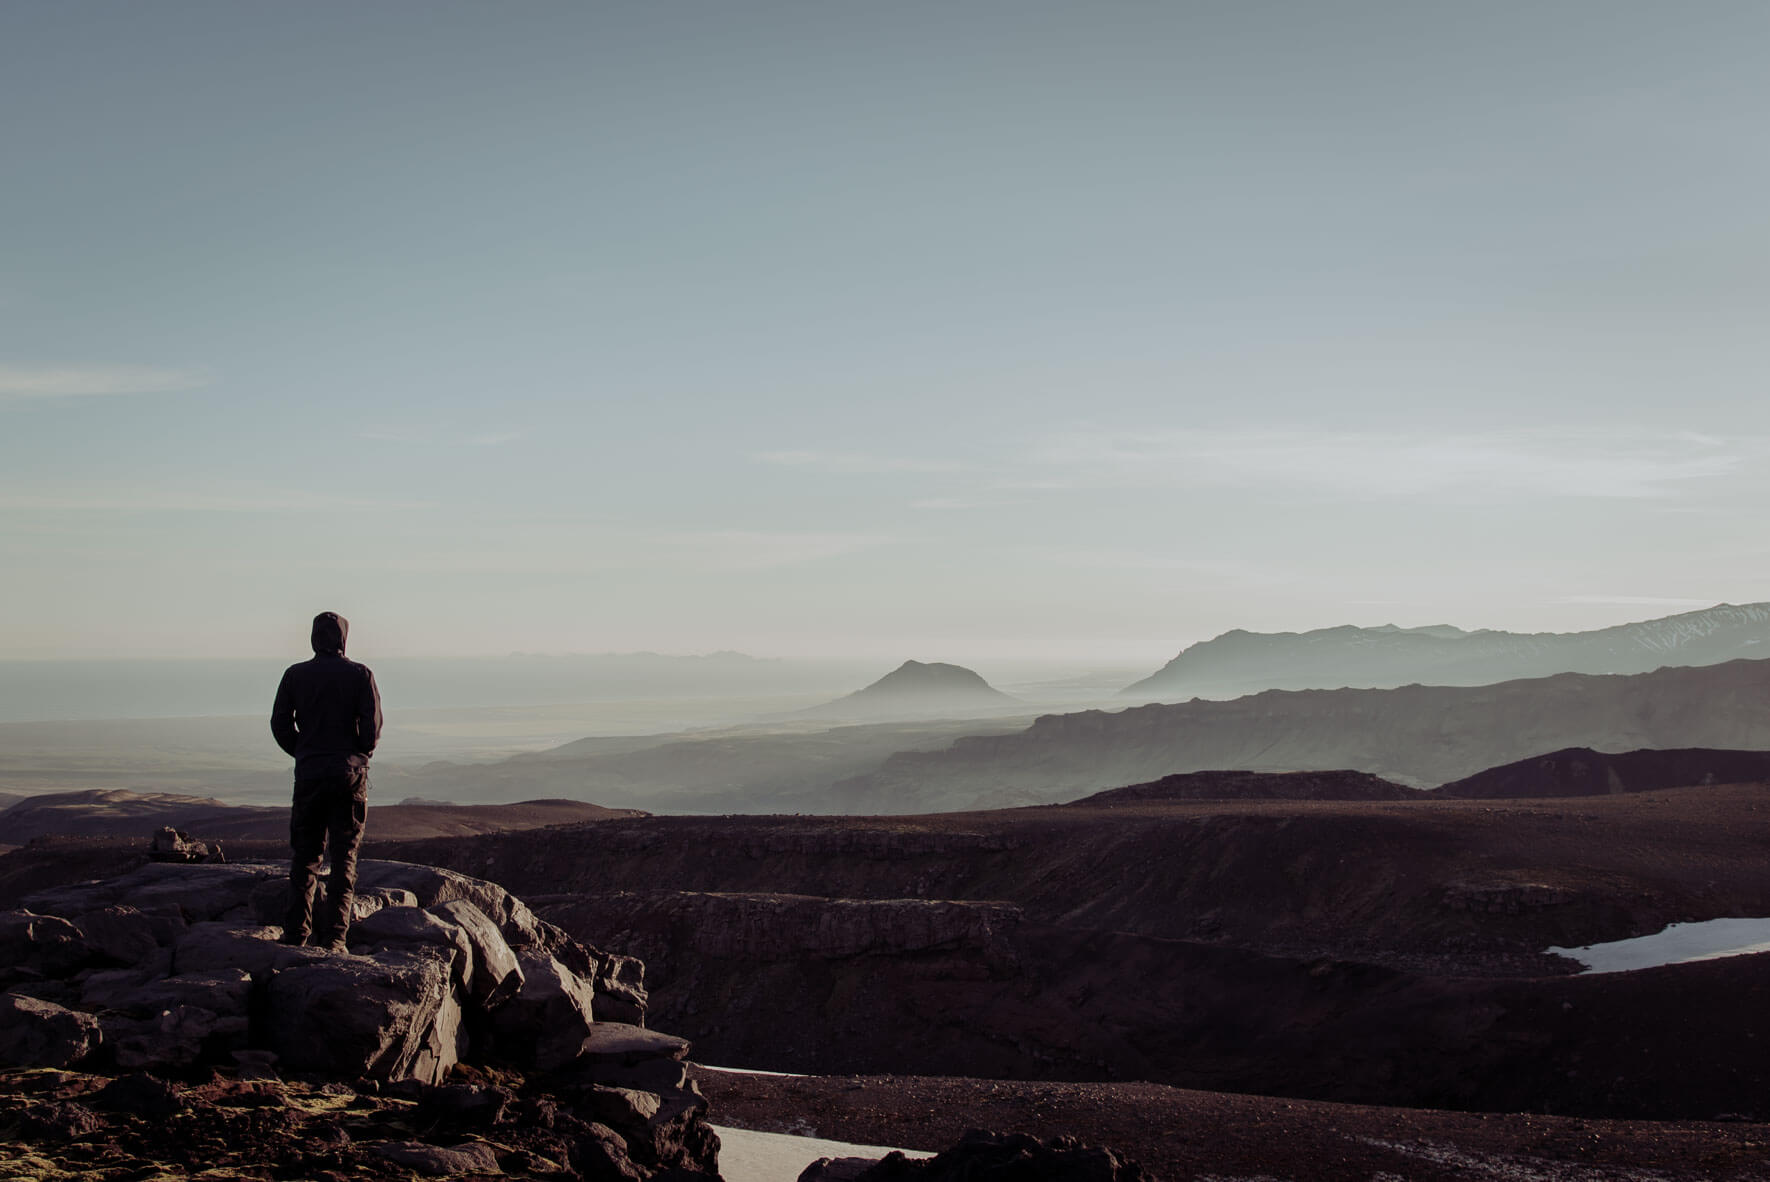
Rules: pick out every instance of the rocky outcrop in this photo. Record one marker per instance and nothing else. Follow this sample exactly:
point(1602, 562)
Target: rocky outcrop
point(432, 950)
point(37, 1033)
point(177, 972)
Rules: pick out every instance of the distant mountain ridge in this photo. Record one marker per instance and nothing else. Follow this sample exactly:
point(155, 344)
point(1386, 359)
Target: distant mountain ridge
point(1241, 662)
point(1415, 735)
point(917, 689)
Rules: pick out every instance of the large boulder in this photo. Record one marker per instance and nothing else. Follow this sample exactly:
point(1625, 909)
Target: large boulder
point(496, 974)
point(39, 945)
point(431, 885)
point(396, 1016)
point(36, 1033)
point(177, 1021)
point(549, 1020)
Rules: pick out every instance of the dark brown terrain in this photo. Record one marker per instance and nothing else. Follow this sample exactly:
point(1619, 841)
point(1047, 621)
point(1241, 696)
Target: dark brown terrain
point(1580, 771)
point(1387, 952)
point(1117, 968)
point(1179, 1134)
point(1236, 785)
point(120, 813)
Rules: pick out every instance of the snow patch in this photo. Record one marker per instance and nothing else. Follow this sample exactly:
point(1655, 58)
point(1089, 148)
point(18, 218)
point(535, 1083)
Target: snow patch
point(1680, 943)
point(746, 1155)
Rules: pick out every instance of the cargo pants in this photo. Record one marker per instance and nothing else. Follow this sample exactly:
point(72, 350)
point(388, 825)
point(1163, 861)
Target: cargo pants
point(328, 813)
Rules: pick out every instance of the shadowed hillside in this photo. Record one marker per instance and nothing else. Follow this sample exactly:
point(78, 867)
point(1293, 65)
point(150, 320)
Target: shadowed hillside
point(1580, 771)
point(116, 813)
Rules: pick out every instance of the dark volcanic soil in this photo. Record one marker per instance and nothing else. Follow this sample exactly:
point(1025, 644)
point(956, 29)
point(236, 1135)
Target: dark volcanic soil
point(1370, 952)
point(1449, 887)
point(1180, 1135)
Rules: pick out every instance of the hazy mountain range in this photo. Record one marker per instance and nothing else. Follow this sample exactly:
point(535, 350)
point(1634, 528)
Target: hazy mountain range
point(1416, 735)
point(1240, 662)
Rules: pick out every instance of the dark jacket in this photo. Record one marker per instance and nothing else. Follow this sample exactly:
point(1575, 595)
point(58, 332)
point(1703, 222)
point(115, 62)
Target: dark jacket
point(328, 711)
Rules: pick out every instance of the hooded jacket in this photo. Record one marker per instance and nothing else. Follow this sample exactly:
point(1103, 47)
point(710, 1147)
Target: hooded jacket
point(328, 711)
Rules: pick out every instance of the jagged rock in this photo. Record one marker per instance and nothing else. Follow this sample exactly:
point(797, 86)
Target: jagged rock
point(663, 1076)
point(141, 1094)
point(176, 1021)
point(36, 1033)
point(496, 974)
point(395, 926)
point(619, 981)
point(175, 1037)
point(620, 989)
point(121, 934)
point(394, 1017)
point(41, 944)
point(59, 1122)
point(255, 1064)
point(990, 1157)
point(430, 886)
point(270, 900)
point(472, 1157)
point(463, 1106)
point(549, 1019)
point(175, 845)
point(603, 1153)
point(619, 1043)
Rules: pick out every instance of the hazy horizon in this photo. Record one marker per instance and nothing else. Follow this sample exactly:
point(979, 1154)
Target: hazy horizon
point(996, 332)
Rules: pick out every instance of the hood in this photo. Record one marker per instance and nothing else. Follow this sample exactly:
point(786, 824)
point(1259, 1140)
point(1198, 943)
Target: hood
point(329, 632)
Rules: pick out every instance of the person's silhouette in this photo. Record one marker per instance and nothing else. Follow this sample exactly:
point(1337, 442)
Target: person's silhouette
point(328, 716)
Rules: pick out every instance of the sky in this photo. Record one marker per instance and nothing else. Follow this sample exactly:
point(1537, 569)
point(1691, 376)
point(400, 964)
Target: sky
point(982, 331)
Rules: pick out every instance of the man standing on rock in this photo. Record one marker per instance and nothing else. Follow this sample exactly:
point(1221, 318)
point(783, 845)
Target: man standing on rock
point(328, 716)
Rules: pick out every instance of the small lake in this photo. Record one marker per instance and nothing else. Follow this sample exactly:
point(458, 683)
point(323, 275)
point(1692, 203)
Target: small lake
point(1680, 943)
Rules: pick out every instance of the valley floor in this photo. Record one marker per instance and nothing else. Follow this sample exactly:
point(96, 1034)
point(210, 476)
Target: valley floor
point(1180, 1135)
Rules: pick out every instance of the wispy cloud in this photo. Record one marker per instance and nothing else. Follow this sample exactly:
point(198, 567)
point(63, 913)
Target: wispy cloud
point(1499, 465)
point(76, 381)
point(854, 463)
